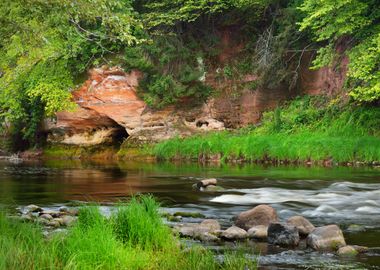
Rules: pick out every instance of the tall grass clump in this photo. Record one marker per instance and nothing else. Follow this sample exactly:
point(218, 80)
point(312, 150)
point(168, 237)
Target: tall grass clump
point(134, 237)
point(22, 246)
point(138, 223)
point(308, 128)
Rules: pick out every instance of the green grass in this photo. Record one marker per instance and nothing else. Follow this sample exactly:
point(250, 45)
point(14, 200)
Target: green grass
point(134, 237)
point(300, 131)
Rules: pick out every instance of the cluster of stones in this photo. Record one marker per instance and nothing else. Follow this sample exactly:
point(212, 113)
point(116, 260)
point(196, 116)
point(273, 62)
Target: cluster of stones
point(63, 217)
point(262, 224)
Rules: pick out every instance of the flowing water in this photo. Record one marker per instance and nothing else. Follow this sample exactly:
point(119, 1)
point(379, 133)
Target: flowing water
point(346, 196)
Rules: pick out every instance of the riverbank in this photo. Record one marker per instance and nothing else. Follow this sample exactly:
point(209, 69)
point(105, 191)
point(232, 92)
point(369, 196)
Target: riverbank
point(133, 237)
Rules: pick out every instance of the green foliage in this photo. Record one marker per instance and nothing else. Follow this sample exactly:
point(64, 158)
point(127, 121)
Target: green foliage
point(44, 43)
point(139, 223)
point(96, 242)
point(306, 128)
point(351, 22)
point(172, 70)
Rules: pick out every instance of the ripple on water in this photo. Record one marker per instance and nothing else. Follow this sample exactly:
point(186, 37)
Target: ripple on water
point(339, 201)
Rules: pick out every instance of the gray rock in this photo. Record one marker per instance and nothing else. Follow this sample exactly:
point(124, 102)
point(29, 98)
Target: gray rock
point(68, 220)
point(193, 230)
point(234, 233)
point(260, 215)
point(54, 223)
point(328, 237)
point(209, 225)
point(210, 181)
point(303, 225)
point(283, 234)
point(258, 232)
point(347, 251)
point(46, 216)
point(32, 208)
point(26, 217)
point(52, 213)
point(360, 249)
point(60, 220)
point(207, 237)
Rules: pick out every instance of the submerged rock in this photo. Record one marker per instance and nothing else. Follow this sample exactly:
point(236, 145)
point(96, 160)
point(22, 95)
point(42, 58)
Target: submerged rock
point(189, 214)
point(283, 234)
point(260, 215)
point(303, 225)
point(328, 237)
point(234, 233)
point(258, 232)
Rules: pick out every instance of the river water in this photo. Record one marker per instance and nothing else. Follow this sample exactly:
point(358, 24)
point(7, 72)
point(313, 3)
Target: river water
point(346, 196)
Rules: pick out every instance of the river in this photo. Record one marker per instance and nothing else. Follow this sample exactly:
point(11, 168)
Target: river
point(346, 196)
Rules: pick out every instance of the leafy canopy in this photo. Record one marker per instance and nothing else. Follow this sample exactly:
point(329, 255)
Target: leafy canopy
point(357, 22)
point(43, 43)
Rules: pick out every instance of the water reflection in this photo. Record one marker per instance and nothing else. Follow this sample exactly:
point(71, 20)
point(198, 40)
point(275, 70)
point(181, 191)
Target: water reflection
point(326, 195)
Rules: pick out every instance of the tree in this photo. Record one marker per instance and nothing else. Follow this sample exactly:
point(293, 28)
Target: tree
point(356, 21)
point(43, 43)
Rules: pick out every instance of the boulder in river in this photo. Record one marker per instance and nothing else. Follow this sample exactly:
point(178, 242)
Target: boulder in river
point(200, 231)
point(234, 233)
point(259, 232)
point(303, 225)
point(283, 234)
point(347, 251)
point(207, 182)
point(328, 237)
point(260, 215)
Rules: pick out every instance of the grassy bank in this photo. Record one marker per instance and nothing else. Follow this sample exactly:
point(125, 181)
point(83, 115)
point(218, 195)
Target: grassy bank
point(307, 129)
point(134, 237)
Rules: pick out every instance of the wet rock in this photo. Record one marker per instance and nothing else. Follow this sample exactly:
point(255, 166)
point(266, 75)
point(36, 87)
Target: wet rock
point(258, 232)
point(207, 182)
point(32, 208)
point(52, 213)
point(64, 209)
point(360, 249)
point(207, 237)
point(26, 217)
point(234, 233)
point(59, 220)
point(189, 214)
point(260, 215)
point(355, 228)
point(328, 237)
point(46, 216)
point(283, 234)
point(209, 225)
point(173, 218)
point(212, 188)
point(303, 225)
point(54, 223)
point(186, 230)
point(68, 220)
point(347, 251)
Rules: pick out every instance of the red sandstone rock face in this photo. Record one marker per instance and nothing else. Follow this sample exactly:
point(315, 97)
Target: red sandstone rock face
point(108, 102)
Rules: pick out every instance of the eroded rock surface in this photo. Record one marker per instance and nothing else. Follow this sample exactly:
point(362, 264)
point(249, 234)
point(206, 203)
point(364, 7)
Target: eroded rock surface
point(303, 225)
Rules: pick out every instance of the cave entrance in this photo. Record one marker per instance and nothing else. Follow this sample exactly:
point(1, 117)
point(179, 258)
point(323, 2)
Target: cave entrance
point(119, 135)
